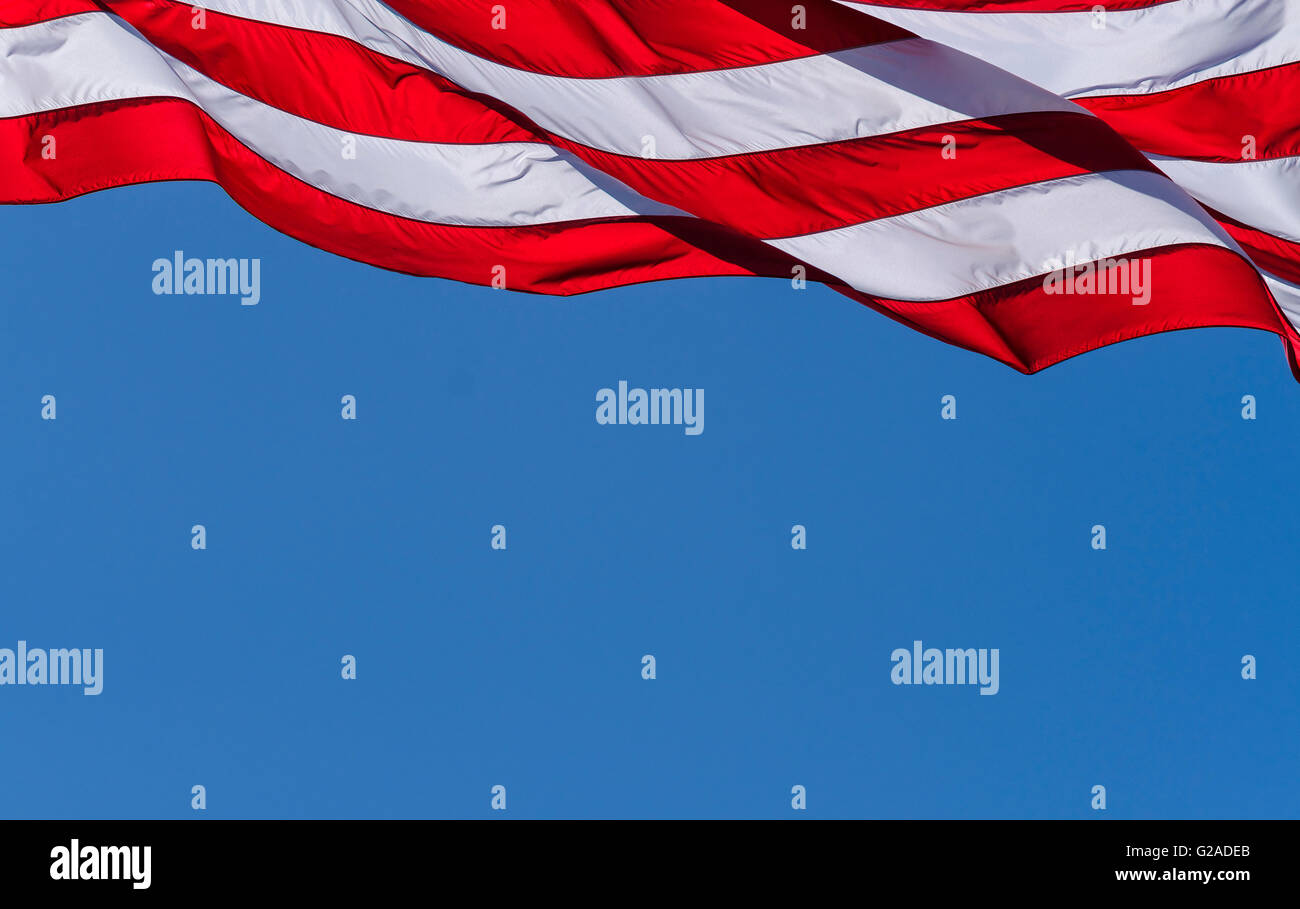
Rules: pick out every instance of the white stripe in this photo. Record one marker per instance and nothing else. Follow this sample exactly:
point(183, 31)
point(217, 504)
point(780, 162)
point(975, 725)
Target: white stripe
point(975, 244)
point(93, 57)
point(824, 98)
point(1135, 52)
point(1264, 194)
point(1287, 296)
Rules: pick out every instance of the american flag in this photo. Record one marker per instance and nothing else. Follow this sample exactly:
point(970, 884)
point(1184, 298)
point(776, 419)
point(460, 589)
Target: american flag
point(981, 170)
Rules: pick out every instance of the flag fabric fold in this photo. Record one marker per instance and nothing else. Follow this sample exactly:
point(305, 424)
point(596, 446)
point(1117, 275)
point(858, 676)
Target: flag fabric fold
point(1020, 179)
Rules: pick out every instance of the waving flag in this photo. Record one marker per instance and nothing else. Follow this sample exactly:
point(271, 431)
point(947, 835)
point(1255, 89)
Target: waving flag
point(1208, 90)
point(997, 175)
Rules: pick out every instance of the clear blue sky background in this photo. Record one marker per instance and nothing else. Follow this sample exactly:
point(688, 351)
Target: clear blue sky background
point(522, 667)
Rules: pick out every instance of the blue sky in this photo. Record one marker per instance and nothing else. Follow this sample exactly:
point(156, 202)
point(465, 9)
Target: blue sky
point(523, 668)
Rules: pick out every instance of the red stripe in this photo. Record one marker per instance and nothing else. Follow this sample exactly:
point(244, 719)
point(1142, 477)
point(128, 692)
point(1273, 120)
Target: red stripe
point(1208, 121)
point(786, 192)
point(326, 78)
point(1271, 253)
point(791, 192)
point(1193, 286)
point(611, 38)
point(17, 13)
point(148, 140)
point(601, 38)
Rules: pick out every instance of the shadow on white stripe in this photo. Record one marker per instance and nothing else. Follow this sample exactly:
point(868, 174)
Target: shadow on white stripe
point(976, 244)
point(1136, 52)
point(1264, 194)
